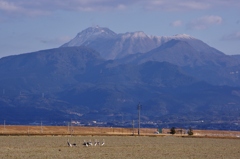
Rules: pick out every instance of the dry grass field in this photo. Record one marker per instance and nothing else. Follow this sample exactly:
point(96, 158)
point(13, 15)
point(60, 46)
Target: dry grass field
point(50, 142)
point(65, 130)
point(116, 147)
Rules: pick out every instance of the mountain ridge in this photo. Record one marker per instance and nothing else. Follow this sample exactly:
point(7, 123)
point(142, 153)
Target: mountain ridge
point(122, 44)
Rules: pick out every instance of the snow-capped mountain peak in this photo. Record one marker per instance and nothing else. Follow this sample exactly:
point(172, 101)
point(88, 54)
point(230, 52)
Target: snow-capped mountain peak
point(182, 36)
point(91, 34)
point(96, 31)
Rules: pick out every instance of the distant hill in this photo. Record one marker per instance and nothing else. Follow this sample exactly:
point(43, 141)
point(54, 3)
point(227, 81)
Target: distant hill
point(29, 82)
point(45, 69)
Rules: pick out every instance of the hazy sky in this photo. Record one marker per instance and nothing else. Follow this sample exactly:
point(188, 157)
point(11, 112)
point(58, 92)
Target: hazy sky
point(32, 25)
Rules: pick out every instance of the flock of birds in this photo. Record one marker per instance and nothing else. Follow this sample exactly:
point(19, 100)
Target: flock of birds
point(88, 143)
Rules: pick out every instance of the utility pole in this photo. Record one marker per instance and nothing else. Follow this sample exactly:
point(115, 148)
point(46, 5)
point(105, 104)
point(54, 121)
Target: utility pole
point(41, 128)
point(122, 118)
point(71, 127)
point(68, 127)
point(139, 107)
point(133, 127)
point(4, 124)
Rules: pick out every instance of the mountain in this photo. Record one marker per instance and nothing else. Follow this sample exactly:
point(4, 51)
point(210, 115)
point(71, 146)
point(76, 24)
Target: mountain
point(102, 76)
point(180, 49)
point(198, 59)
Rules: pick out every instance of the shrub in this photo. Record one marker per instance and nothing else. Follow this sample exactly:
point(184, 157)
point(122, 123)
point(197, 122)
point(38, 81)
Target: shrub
point(190, 131)
point(172, 130)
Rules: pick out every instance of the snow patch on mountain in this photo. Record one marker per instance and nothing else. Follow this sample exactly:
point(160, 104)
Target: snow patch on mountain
point(182, 36)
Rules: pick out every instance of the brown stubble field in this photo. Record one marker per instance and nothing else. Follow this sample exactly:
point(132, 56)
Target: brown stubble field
point(116, 147)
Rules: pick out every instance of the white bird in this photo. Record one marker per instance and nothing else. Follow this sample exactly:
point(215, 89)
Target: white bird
point(90, 142)
point(103, 142)
point(98, 142)
point(85, 143)
point(69, 144)
point(95, 143)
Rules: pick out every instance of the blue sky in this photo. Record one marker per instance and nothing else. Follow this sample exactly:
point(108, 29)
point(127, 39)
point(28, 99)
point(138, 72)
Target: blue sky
point(28, 26)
